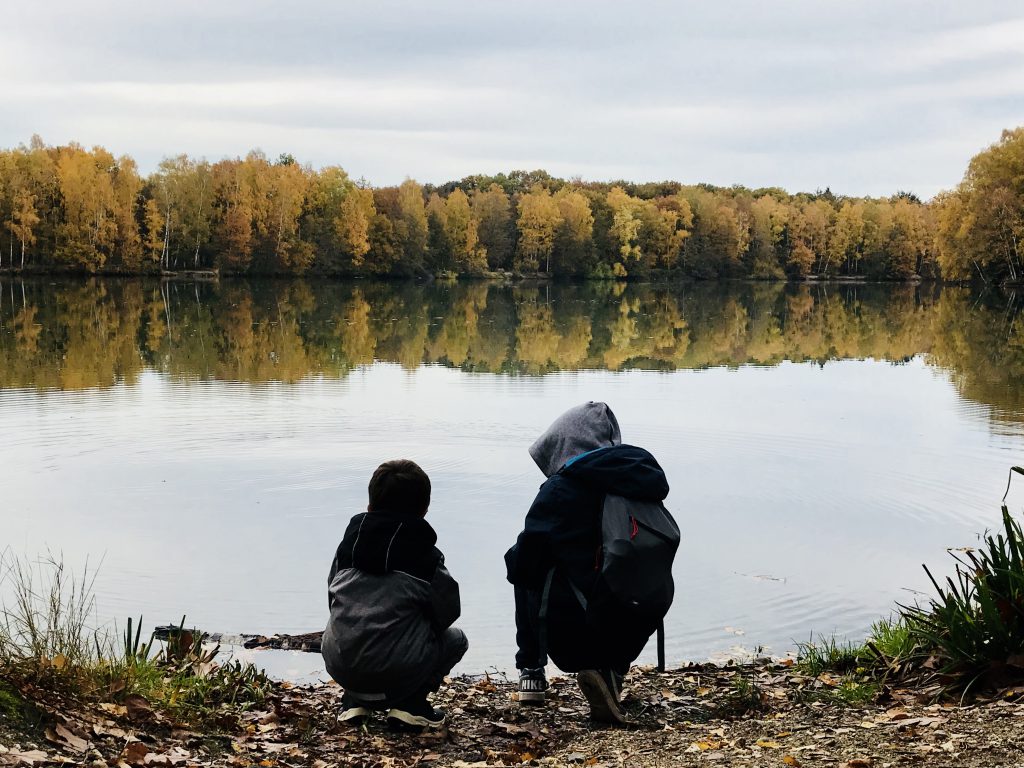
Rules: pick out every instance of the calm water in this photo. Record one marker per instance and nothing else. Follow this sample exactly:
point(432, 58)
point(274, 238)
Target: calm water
point(209, 443)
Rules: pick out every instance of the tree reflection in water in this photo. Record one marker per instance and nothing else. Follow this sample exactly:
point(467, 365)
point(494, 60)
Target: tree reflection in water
point(100, 332)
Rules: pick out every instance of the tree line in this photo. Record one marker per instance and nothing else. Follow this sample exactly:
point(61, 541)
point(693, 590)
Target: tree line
point(86, 210)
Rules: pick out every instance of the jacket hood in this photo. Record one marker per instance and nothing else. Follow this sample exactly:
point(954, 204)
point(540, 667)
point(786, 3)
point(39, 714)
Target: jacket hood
point(381, 542)
point(623, 470)
point(578, 430)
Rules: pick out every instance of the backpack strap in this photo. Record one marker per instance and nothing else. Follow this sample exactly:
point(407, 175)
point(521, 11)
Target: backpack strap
point(579, 595)
point(542, 619)
point(661, 645)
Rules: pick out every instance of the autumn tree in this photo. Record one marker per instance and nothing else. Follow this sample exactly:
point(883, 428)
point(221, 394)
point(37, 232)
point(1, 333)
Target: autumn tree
point(981, 223)
point(575, 235)
point(493, 212)
point(23, 220)
point(539, 220)
point(461, 228)
point(87, 228)
point(625, 229)
point(414, 230)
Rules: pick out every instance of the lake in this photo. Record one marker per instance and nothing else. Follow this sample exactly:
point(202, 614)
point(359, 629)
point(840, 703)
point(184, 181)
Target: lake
point(209, 442)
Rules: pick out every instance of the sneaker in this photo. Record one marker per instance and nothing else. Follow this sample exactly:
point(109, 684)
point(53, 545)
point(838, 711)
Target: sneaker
point(614, 680)
point(352, 712)
point(601, 691)
point(415, 714)
point(533, 686)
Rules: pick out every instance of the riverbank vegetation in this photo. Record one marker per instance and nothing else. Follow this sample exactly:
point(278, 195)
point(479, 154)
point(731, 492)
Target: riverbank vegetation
point(77, 209)
point(50, 643)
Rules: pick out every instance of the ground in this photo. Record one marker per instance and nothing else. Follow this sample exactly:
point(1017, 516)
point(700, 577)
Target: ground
point(759, 714)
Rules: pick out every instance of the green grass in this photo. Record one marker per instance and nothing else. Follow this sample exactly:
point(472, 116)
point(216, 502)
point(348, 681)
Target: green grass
point(892, 640)
point(49, 641)
point(857, 671)
point(12, 705)
point(826, 654)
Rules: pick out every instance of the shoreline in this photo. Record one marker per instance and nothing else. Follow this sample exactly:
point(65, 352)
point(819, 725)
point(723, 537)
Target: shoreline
point(207, 276)
point(754, 714)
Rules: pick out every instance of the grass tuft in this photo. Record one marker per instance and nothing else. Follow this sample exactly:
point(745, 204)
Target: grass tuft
point(49, 641)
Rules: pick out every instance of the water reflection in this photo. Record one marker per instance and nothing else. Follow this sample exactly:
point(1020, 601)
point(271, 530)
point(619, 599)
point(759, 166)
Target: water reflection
point(97, 333)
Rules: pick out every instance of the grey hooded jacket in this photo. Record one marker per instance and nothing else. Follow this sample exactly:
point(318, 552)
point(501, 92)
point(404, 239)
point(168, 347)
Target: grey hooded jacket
point(391, 598)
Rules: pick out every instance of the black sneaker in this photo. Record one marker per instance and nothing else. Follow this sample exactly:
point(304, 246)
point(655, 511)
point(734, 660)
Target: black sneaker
point(601, 692)
point(352, 712)
point(533, 686)
point(415, 714)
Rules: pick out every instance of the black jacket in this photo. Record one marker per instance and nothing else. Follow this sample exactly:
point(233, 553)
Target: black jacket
point(562, 527)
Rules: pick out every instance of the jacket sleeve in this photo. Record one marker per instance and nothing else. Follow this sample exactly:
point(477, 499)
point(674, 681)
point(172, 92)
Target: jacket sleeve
point(445, 605)
point(530, 558)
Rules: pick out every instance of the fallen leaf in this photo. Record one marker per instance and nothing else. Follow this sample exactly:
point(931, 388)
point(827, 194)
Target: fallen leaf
point(765, 744)
point(30, 758)
point(65, 738)
point(790, 760)
point(139, 709)
point(135, 753)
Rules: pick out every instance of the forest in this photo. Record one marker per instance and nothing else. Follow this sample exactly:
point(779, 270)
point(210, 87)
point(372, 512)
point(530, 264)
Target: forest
point(85, 210)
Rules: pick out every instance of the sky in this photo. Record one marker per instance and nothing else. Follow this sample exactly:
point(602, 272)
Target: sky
point(865, 98)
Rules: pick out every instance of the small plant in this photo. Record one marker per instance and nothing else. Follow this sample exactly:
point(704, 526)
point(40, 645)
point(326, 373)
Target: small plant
point(894, 646)
point(829, 655)
point(892, 639)
point(46, 630)
point(746, 696)
point(975, 625)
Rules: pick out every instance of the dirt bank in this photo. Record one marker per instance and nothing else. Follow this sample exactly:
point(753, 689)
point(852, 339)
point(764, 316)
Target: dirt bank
point(758, 714)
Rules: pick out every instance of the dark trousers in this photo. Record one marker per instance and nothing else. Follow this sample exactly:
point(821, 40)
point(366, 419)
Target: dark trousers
point(574, 643)
point(452, 646)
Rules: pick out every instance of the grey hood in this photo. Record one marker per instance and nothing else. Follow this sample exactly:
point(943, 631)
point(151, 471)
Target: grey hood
point(578, 430)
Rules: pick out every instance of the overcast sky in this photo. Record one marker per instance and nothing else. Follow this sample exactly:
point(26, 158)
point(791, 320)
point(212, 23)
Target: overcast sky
point(866, 97)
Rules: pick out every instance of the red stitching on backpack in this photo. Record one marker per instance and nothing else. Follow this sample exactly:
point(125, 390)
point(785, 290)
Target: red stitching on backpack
point(636, 528)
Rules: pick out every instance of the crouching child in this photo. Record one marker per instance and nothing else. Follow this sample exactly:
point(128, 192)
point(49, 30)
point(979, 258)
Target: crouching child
point(390, 640)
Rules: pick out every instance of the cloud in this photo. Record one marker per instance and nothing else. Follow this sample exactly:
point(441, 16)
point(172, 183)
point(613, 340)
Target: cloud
point(866, 99)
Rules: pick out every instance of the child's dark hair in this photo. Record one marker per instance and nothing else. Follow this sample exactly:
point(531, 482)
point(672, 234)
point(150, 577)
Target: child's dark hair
point(400, 486)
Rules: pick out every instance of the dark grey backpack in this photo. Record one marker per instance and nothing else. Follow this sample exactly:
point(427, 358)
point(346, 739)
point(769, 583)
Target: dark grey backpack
point(639, 540)
point(634, 582)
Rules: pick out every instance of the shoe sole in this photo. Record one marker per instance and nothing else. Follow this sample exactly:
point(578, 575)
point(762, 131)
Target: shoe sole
point(354, 715)
point(401, 719)
point(603, 706)
point(532, 697)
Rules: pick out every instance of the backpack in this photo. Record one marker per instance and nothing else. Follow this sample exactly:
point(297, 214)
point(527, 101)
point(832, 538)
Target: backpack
point(639, 540)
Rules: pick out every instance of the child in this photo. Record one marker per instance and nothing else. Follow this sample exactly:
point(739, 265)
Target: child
point(390, 639)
